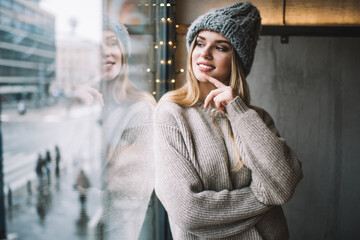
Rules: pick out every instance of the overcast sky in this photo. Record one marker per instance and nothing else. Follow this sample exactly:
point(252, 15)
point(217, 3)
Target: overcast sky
point(86, 12)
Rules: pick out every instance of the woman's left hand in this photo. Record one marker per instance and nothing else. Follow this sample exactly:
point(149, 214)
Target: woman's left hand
point(220, 96)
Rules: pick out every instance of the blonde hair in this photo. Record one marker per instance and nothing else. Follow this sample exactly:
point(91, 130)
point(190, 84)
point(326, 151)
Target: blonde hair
point(124, 90)
point(188, 95)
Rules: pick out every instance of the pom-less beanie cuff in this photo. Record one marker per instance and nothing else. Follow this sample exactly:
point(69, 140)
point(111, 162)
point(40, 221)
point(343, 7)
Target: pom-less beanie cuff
point(240, 23)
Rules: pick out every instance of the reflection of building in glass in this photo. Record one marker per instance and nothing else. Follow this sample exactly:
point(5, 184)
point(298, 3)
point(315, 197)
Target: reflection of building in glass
point(27, 47)
point(77, 62)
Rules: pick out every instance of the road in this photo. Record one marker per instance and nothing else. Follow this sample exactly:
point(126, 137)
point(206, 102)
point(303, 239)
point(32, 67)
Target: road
point(52, 211)
point(76, 132)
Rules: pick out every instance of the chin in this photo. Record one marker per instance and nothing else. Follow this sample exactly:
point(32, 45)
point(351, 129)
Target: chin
point(199, 76)
point(109, 76)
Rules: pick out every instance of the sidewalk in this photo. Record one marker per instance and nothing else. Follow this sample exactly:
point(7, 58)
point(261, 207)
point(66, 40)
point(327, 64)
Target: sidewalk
point(52, 212)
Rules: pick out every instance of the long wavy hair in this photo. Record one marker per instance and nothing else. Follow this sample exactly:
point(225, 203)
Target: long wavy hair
point(124, 90)
point(188, 95)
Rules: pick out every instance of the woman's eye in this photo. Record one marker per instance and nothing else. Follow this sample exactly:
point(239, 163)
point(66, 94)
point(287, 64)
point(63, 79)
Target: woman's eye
point(199, 44)
point(111, 44)
point(223, 49)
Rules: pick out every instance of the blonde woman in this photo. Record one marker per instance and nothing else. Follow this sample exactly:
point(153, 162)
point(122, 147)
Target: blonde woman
point(127, 137)
point(222, 170)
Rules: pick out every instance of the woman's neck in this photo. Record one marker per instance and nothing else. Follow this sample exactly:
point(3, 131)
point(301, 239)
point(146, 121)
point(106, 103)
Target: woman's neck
point(205, 88)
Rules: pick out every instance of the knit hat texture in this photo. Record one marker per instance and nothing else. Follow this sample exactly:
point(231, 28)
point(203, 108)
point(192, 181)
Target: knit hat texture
point(240, 23)
point(111, 23)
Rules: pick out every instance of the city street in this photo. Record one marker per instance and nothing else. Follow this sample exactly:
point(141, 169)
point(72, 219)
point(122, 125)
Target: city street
point(52, 211)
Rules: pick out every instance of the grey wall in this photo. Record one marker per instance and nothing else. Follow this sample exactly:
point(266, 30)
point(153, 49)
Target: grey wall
point(311, 87)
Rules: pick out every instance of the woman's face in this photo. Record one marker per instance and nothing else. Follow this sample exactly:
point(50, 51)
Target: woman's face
point(112, 57)
point(212, 56)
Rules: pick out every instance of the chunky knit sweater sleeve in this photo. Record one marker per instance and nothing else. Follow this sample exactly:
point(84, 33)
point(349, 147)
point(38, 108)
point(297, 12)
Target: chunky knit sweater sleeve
point(276, 170)
point(205, 213)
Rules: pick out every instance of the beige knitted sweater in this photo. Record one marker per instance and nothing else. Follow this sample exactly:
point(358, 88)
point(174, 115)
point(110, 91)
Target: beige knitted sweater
point(204, 198)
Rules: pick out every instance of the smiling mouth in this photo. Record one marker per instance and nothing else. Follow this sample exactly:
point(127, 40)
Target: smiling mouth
point(205, 67)
point(108, 66)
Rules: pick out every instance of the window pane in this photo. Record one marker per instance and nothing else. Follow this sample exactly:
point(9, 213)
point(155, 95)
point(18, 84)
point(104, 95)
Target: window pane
point(78, 86)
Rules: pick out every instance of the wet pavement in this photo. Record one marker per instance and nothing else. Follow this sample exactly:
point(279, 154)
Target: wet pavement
point(51, 212)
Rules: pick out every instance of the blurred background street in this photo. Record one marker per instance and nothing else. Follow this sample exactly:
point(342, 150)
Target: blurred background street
point(50, 208)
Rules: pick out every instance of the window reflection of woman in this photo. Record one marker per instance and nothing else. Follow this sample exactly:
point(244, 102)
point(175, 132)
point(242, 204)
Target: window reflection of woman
point(128, 169)
point(222, 170)
point(118, 89)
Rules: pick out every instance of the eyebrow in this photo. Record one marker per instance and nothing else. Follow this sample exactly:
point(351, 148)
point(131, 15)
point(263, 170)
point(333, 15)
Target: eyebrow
point(217, 41)
point(110, 37)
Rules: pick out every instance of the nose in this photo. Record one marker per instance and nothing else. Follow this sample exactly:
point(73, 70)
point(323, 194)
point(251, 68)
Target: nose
point(105, 50)
point(206, 52)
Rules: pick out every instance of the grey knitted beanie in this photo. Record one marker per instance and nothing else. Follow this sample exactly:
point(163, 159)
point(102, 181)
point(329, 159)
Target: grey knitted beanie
point(240, 23)
point(111, 23)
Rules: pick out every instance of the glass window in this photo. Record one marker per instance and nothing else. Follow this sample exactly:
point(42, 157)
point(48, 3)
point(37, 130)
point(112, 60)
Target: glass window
point(78, 90)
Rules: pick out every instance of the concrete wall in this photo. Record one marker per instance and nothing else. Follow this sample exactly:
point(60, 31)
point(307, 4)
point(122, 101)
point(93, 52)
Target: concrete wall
point(311, 87)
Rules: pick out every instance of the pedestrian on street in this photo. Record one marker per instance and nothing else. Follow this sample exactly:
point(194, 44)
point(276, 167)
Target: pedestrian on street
point(82, 184)
point(57, 161)
point(222, 169)
point(39, 170)
point(47, 164)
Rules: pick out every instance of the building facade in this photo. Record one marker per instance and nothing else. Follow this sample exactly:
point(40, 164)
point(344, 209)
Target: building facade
point(27, 52)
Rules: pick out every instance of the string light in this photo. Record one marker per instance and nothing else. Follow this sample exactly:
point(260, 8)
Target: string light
point(148, 70)
point(162, 61)
point(182, 70)
point(168, 4)
point(157, 81)
point(146, 4)
point(154, 93)
point(162, 5)
point(169, 20)
point(174, 46)
point(169, 61)
point(177, 26)
point(154, 4)
point(163, 19)
point(170, 43)
point(161, 43)
point(172, 80)
point(156, 47)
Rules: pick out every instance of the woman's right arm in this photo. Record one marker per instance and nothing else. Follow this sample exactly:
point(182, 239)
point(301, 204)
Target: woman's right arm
point(202, 212)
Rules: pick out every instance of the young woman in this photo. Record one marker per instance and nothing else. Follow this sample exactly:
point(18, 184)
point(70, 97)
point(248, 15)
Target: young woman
point(127, 137)
point(222, 171)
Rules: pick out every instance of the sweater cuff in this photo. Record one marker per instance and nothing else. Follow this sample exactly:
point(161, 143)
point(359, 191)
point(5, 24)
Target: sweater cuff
point(236, 107)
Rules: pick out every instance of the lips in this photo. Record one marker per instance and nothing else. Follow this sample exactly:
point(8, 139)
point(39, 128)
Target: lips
point(108, 65)
point(205, 66)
